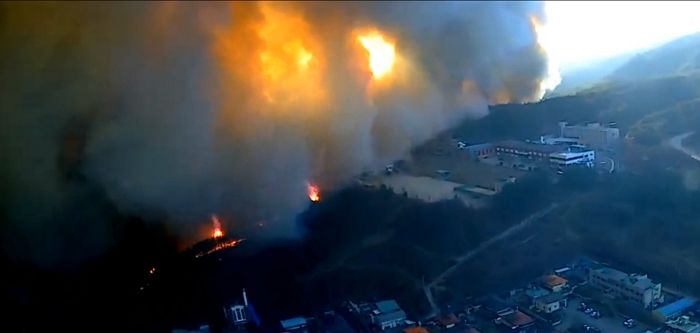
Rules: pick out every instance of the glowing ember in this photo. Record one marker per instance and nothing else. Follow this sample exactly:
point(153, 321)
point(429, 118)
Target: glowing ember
point(314, 193)
point(381, 53)
point(217, 227)
point(220, 246)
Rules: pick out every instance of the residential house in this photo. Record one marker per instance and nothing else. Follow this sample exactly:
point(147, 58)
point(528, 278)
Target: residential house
point(516, 321)
point(554, 283)
point(550, 303)
point(387, 314)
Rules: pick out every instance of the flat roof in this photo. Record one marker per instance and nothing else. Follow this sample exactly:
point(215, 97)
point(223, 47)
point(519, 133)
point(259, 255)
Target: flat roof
point(293, 322)
point(528, 146)
point(676, 307)
point(389, 305)
point(639, 281)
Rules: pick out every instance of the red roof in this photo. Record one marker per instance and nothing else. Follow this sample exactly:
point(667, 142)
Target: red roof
point(415, 330)
point(554, 280)
point(517, 318)
point(450, 319)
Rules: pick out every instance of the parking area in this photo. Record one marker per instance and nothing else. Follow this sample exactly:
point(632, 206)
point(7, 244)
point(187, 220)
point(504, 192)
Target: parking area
point(574, 319)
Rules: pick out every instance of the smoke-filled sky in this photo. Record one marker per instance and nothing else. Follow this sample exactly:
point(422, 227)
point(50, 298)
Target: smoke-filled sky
point(579, 32)
point(175, 111)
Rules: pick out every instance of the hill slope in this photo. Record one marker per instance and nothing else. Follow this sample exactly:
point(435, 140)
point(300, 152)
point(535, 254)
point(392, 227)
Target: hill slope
point(678, 57)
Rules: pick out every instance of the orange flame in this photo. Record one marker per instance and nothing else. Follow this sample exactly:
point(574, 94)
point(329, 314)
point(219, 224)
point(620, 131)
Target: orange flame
point(217, 227)
point(381, 53)
point(314, 193)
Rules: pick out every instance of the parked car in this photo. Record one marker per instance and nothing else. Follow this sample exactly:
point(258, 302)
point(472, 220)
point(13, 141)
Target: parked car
point(589, 328)
point(595, 314)
point(629, 323)
point(588, 310)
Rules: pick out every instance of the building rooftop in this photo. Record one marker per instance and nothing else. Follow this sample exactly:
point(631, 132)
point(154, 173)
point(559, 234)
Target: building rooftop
point(293, 322)
point(528, 146)
point(639, 281)
point(450, 319)
point(388, 306)
point(517, 319)
point(676, 307)
point(415, 330)
point(496, 304)
point(536, 292)
point(551, 298)
point(390, 316)
point(554, 280)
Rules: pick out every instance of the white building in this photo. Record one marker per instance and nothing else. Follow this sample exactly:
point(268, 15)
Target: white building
point(567, 158)
point(635, 287)
point(237, 314)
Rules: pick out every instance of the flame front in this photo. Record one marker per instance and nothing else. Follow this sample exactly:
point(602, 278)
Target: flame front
point(217, 227)
point(314, 193)
point(382, 53)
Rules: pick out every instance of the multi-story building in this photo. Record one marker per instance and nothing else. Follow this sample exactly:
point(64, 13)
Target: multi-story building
point(593, 134)
point(635, 287)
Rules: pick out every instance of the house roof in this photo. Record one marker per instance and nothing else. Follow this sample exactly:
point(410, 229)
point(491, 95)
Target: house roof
point(415, 330)
point(550, 298)
point(448, 320)
point(293, 322)
point(496, 304)
point(388, 306)
point(390, 316)
point(554, 280)
point(517, 318)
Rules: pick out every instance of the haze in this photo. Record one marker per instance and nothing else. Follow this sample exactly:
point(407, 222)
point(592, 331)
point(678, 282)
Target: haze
point(584, 31)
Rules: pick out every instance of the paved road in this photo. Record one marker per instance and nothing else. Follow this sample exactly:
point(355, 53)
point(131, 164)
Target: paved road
point(606, 324)
point(677, 143)
point(483, 246)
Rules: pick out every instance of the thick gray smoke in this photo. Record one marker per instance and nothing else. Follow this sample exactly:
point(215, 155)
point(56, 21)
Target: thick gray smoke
point(186, 109)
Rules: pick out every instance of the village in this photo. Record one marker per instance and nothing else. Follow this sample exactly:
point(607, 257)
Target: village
point(585, 296)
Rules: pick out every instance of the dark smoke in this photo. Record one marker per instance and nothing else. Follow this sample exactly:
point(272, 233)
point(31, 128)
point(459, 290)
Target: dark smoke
point(167, 110)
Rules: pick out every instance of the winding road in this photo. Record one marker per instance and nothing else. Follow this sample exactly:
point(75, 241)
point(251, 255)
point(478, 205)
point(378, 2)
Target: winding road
point(427, 288)
point(677, 143)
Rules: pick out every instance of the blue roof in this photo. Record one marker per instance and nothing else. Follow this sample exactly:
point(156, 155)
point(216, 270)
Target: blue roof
point(676, 307)
point(293, 322)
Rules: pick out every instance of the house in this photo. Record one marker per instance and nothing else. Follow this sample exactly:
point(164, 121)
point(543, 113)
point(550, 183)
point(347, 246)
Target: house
point(387, 314)
point(448, 321)
point(497, 307)
point(554, 283)
point(296, 324)
point(550, 303)
point(516, 321)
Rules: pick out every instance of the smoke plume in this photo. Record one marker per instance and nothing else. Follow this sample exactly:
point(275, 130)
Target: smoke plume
point(181, 110)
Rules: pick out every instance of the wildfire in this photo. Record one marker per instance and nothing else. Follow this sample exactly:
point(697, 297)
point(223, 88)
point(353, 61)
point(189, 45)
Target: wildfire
point(217, 227)
point(381, 53)
point(314, 193)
